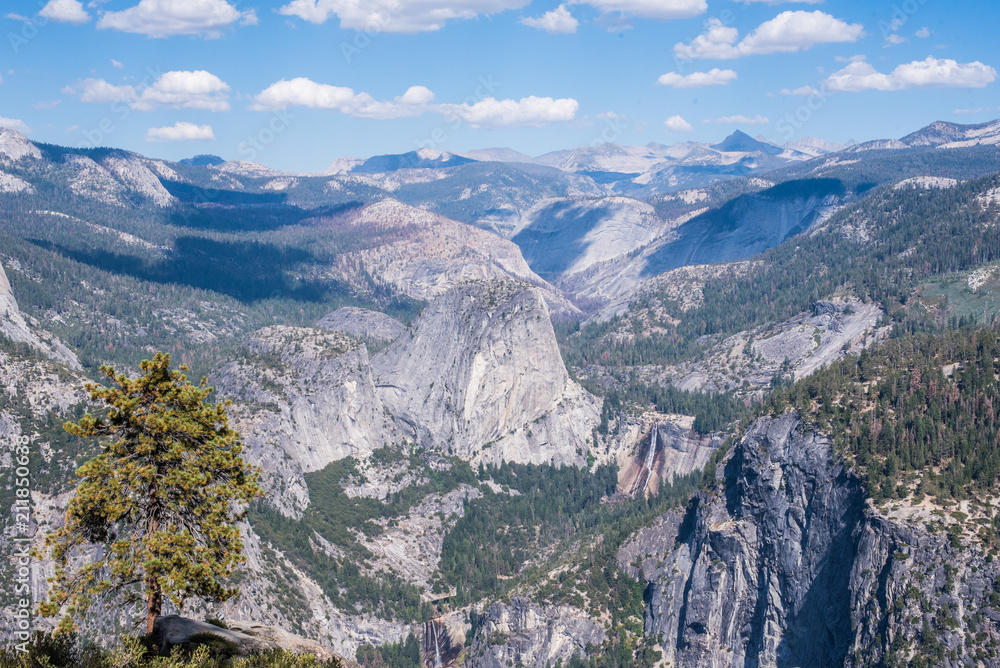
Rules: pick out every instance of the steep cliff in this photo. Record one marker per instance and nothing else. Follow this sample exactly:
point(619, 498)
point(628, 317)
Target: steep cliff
point(302, 399)
point(14, 327)
point(523, 633)
point(479, 374)
point(787, 564)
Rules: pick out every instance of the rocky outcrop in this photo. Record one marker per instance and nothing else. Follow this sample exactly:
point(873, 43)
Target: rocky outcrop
point(362, 323)
point(479, 374)
point(14, 327)
point(302, 399)
point(670, 449)
point(523, 633)
point(788, 565)
point(172, 630)
point(14, 146)
point(426, 254)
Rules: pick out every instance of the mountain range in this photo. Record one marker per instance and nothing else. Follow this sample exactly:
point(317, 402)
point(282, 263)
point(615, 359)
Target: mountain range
point(691, 405)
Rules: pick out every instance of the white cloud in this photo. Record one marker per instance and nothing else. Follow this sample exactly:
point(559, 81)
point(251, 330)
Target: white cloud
point(527, 112)
point(663, 10)
point(977, 110)
point(65, 11)
point(714, 77)
point(416, 95)
point(805, 91)
point(117, 65)
point(416, 101)
point(176, 90)
point(781, 2)
point(610, 116)
point(558, 21)
point(162, 18)
point(678, 124)
point(48, 104)
point(303, 92)
point(14, 124)
point(788, 32)
point(944, 73)
point(396, 16)
point(892, 39)
point(923, 33)
point(181, 131)
point(739, 119)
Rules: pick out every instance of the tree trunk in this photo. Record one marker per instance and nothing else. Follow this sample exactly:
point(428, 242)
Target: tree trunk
point(154, 604)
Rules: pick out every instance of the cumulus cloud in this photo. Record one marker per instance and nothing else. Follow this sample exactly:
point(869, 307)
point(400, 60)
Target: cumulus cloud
point(805, 91)
point(893, 39)
point(162, 18)
point(117, 65)
point(527, 112)
point(558, 21)
point(180, 131)
point(739, 119)
point(923, 33)
point(65, 11)
point(860, 75)
point(663, 10)
point(788, 32)
point(714, 77)
point(396, 16)
point(176, 90)
point(678, 124)
point(416, 101)
point(14, 124)
point(303, 92)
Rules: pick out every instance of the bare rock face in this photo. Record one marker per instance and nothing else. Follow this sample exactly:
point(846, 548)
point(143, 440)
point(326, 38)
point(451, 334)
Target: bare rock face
point(670, 449)
point(479, 374)
point(790, 566)
point(429, 254)
point(302, 399)
point(14, 327)
point(524, 633)
point(171, 630)
point(362, 323)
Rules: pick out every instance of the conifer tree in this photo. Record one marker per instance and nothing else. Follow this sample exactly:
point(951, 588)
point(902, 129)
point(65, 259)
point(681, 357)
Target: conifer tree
point(162, 499)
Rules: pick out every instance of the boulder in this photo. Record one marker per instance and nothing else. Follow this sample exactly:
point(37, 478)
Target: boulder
point(249, 638)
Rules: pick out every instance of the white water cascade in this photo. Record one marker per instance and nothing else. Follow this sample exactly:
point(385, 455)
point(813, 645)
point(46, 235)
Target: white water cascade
point(437, 646)
point(647, 466)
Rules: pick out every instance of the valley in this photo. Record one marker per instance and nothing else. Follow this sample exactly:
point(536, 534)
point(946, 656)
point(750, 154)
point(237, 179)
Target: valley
point(690, 405)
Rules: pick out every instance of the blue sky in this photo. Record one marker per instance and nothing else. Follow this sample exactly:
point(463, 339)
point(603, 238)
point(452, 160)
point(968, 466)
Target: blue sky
point(295, 84)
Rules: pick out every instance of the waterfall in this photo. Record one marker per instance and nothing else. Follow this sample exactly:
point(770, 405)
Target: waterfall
point(437, 646)
point(647, 465)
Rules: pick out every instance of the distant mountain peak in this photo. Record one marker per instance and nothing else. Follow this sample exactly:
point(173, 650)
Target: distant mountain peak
point(939, 133)
point(425, 158)
point(202, 160)
point(741, 142)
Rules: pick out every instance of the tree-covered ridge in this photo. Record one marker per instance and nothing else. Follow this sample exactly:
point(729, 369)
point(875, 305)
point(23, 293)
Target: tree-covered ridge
point(916, 415)
point(880, 249)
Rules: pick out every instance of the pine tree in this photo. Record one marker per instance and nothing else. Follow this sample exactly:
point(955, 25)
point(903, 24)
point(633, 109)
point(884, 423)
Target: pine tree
point(162, 498)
